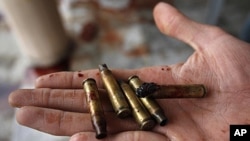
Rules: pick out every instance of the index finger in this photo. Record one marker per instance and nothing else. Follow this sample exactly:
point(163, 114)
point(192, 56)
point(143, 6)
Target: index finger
point(73, 80)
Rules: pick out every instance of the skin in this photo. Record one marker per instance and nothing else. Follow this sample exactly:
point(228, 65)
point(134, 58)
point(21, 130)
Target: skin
point(220, 62)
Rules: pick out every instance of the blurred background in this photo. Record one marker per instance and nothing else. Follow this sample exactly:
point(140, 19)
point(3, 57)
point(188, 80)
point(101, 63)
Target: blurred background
point(85, 33)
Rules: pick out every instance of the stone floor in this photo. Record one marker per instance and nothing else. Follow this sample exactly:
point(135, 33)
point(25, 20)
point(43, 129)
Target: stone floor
point(163, 50)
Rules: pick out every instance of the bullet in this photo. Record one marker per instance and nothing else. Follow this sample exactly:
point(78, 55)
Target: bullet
point(151, 105)
point(171, 91)
point(115, 93)
point(141, 115)
point(95, 108)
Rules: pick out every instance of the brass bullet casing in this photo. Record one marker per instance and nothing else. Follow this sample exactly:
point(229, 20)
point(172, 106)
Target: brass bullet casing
point(115, 93)
point(141, 115)
point(95, 108)
point(181, 91)
point(151, 105)
point(171, 91)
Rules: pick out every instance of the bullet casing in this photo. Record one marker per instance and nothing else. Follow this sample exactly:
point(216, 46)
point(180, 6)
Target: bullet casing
point(171, 91)
point(141, 115)
point(181, 91)
point(115, 93)
point(151, 105)
point(95, 108)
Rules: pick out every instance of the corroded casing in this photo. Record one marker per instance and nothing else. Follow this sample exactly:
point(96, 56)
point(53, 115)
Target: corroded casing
point(171, 91)
point(95, 108)
point(141, 115)
point(151, 105)
point(181, 91)
point(115, 93)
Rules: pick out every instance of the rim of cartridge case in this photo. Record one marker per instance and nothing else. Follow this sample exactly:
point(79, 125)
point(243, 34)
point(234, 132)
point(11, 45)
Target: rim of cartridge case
point(133, 76)
point(160, 118)
point(88, 79)
point(123, 113)
point(102, 67)
point(163, 122)
point(100, 126)
point(147, 125)
point(101, 135)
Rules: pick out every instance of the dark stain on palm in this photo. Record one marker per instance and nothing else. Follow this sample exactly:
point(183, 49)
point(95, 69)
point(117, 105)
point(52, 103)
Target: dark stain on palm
point(167, 68)
point(80, 75)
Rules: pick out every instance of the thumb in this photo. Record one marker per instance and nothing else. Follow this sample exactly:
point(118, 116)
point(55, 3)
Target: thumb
point(172, 22)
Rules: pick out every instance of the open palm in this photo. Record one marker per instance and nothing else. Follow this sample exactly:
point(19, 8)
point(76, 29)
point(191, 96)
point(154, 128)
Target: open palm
point(220, 62)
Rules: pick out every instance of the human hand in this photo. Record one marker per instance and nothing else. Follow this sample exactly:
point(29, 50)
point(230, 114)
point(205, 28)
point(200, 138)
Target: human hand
point(220, 62)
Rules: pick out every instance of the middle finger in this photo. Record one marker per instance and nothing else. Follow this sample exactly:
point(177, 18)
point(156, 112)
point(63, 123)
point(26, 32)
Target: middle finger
point(64, 99)
point(58, 122)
